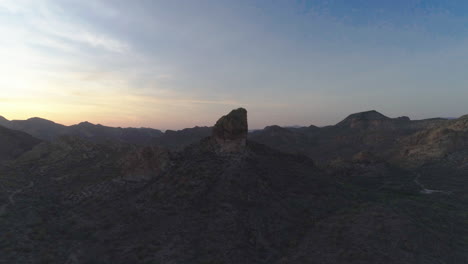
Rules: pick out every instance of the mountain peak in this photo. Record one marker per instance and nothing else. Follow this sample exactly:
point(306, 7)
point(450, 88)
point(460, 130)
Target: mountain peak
point(273, 127)
point(358, 119)
point(368, 115)
point(86, 123)
point(230, 131)
point(39, 120)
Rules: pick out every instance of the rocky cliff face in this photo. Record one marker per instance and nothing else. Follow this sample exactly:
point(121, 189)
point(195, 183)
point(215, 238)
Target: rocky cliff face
point(230, 132)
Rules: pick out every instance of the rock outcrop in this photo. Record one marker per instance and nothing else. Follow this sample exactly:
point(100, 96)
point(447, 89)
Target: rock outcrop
point(230, 132)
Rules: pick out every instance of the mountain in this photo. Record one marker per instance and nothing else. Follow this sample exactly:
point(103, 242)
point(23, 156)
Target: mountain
point(365, 119)
point(227, 199)
point(297, 140)
point(3, 121)
point(14, 143)
point(178, 140)
point(48, 130)
point(100, 133)
point(433, 143)
point(38, 127)
point(365, 131)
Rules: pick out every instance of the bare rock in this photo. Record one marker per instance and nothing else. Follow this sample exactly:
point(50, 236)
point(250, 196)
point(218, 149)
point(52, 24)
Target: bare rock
point(230, 132)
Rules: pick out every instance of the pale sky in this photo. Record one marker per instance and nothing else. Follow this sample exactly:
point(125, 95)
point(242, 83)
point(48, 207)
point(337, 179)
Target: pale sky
point(174, 64)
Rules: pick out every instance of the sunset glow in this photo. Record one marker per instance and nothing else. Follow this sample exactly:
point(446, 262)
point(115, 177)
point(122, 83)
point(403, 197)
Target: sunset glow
point(174, 65)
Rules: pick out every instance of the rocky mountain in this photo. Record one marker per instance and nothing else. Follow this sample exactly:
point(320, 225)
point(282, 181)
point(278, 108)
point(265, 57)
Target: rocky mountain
point(229, 199)
point(367, 131)
point(48, 130)
point(433, 143)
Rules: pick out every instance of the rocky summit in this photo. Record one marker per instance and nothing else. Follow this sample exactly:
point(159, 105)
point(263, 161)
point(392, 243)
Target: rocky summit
point(230, 132)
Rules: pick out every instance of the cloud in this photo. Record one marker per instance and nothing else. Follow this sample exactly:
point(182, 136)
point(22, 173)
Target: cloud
point(51, 24)
point(160, 57)
point(79, 34)
point(15, 6)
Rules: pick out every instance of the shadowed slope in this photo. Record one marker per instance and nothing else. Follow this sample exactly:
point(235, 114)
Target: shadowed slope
point(14, 143)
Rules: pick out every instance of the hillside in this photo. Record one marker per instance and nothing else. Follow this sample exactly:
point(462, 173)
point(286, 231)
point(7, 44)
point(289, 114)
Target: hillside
point(14, 143)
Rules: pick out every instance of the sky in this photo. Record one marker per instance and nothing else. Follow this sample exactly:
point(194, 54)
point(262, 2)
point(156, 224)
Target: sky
point(174, 64)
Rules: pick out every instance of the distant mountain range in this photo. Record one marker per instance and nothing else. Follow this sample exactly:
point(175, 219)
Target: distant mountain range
point(48, 130)
point(366, 131)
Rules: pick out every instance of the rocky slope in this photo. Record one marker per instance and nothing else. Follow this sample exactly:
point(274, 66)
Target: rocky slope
point(434, 143)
